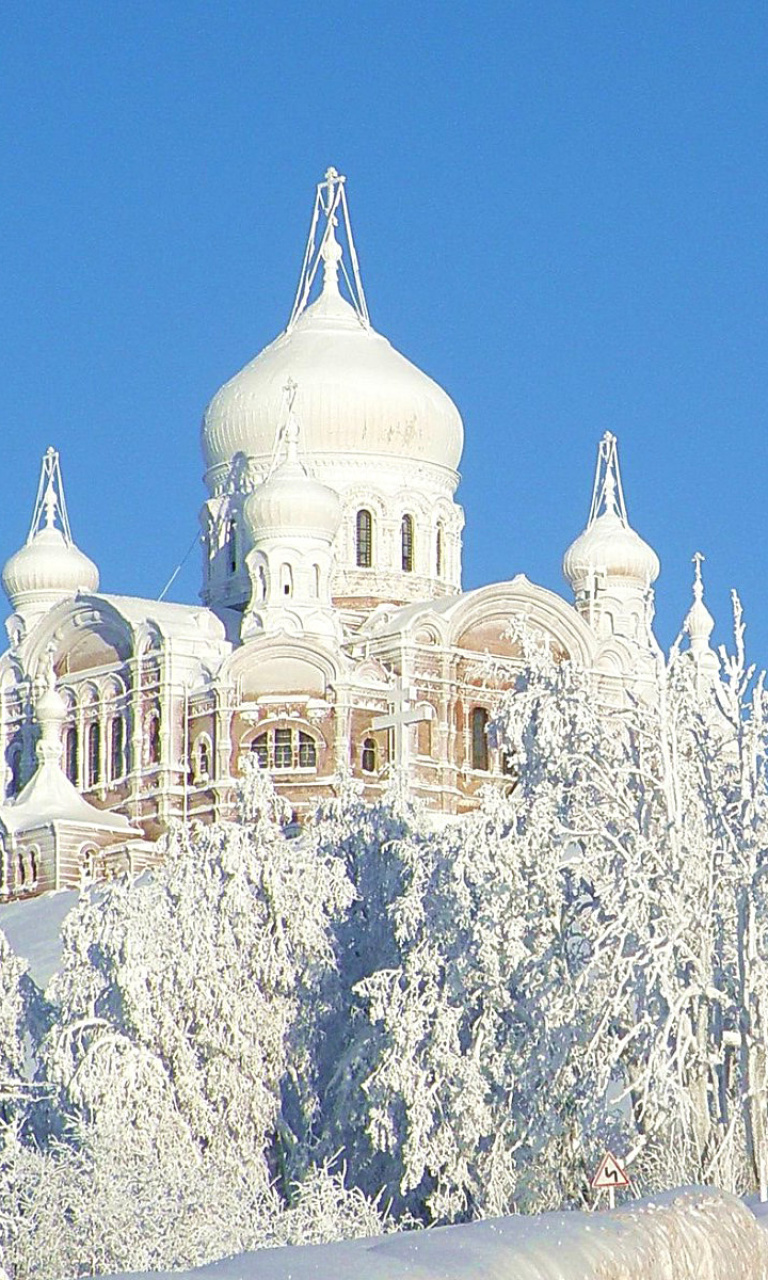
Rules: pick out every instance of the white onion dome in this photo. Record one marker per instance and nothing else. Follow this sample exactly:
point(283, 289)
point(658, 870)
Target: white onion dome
point(290, 501)
point(611, 547)
point(699, 623)
point(358, 396)
point(47, 568)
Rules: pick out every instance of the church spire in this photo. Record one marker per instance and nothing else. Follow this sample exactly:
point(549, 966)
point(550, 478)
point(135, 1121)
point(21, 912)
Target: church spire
point(330, 211)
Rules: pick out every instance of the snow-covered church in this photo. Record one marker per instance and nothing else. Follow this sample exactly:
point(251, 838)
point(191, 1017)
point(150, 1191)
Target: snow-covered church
point(332, 637)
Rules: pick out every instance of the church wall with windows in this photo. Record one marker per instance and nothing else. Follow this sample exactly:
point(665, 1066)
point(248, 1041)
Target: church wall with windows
point(332, 636)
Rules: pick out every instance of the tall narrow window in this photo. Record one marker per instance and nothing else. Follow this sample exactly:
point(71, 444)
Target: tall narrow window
point(232, 543)
point(406, 539)
point(116, 748)
point(283, 749)
point(261, 751)
point(316, 580)
point(204, 758)
point(439, 551)
point(480, 738)
point(369, 756)
point(70, 753)
point(286, 579)
point(94, 754)
point(154, 740)
point(307, 751)
point(364, 540)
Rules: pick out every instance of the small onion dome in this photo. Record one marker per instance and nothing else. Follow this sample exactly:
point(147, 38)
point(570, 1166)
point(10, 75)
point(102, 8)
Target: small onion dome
point(699, 623)
point(610, 547)
point(46, 569)
point(290, 502)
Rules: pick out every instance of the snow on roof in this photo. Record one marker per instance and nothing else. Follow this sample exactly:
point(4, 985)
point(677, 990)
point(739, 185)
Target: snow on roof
point(49, 796)
point(33, 929)
point(707, 1232)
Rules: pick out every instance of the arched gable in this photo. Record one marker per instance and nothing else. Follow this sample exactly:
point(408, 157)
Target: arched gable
point(82, 634)
point(480, 620)
point(281, 665)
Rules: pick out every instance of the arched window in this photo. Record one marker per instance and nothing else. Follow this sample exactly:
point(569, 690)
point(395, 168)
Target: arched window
point(480, 738)
point(88, 864)
point(232, 543)
point(261, 583)
point(316, 580)
point(261, 750)
point(285, 748)
point(204, 758)
point(116, 748)
point(369, 756)
point(32, 864)
point(282, 749)
point(406, 539)
point(70, 753)
point(286, 579)
point(153, 739)
point(364, 540)
point(439, 551)
point(93, 753)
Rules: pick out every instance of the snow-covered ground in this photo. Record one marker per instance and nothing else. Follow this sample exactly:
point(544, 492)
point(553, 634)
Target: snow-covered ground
point(681, 1235)
point(33, 928)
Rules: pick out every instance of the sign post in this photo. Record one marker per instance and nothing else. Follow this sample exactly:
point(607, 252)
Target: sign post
point(609, 1177)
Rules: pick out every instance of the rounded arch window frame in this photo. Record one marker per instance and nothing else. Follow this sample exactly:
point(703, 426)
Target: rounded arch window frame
point(275, 747)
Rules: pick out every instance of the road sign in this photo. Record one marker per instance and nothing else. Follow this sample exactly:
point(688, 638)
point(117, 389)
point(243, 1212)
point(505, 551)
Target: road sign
point(609, 1177)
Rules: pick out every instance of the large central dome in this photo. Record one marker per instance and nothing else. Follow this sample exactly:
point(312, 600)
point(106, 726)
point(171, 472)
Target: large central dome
point(374, 428)
point(356, 395)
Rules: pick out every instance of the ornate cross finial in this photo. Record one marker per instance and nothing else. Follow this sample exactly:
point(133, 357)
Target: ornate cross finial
point(607, 492)
point(330, 206)
point(50, 506)
point(698, 586)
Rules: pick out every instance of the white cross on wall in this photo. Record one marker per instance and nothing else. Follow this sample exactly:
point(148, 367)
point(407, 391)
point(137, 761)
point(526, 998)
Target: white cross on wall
point(400, 718)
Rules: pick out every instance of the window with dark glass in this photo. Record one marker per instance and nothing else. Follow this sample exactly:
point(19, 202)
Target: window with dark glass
point(282, 749)
point(93, 753)
point(232, 544)
point(285, 749)
point(369, 756)
point(364, 540)
point(480, 738)
point(70, 753)
point(204, 758)
point(154, 740)
point(307, 752)
point(261, 750)
point(439, 551)
point(406, 539)
point(116, 748)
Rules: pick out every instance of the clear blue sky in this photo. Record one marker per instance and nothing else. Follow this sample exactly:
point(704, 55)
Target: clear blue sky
point(561, 214)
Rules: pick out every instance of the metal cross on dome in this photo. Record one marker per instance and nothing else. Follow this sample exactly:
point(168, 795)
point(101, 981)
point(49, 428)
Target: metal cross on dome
point(399, 720)
point(331, 205)
point(50, 507)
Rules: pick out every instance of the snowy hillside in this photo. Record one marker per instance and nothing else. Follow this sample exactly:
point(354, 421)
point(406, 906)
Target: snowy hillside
point(691, 1235)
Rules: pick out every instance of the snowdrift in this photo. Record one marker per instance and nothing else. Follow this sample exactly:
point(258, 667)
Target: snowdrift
point(694, 1234)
